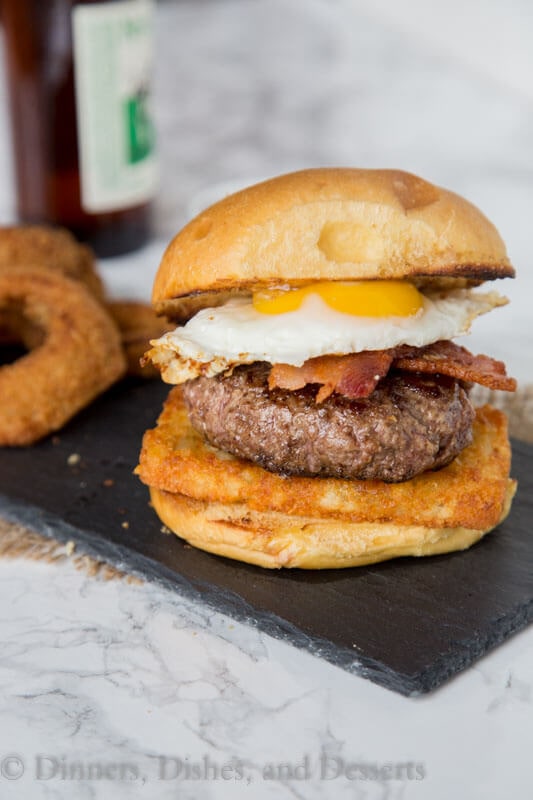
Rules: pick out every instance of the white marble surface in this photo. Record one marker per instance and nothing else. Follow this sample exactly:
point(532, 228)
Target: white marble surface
point(113, 674)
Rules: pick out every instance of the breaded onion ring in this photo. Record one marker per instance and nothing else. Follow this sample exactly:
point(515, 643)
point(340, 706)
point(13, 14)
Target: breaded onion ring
point(75, 353)
point(42, 247)
point(138, 324)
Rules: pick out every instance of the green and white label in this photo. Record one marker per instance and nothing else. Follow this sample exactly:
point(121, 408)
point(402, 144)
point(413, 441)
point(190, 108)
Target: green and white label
point(112, 68)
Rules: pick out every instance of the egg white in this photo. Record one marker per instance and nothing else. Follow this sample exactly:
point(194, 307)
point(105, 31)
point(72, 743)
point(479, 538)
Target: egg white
point(218, 339)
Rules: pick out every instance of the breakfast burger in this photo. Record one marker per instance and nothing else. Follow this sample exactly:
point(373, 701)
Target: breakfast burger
point(321, 413)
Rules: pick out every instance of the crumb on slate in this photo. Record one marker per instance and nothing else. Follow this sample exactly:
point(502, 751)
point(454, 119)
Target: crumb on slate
point(73, 459)
point(108, 482)
point(125, 524)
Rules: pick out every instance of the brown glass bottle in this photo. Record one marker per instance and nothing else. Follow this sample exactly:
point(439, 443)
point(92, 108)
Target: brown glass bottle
point(44, 85)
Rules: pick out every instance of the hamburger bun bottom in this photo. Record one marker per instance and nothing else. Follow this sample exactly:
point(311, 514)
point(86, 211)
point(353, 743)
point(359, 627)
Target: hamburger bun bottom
point(274, 540)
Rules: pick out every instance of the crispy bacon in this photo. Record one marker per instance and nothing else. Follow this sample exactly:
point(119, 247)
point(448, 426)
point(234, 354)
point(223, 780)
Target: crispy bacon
point(356, 375)
point(448, 358)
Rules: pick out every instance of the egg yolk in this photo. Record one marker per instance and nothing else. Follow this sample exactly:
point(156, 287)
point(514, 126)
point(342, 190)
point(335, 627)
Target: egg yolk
point(360, 298)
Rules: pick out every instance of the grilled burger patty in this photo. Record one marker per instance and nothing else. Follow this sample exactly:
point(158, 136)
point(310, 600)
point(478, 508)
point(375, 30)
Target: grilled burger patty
point(410, 423)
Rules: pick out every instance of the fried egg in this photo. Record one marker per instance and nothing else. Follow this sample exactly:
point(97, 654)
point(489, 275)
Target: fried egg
point(289, 326)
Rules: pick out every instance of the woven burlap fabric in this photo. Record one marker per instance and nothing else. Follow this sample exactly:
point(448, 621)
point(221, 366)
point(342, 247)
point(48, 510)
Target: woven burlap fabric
point(19, 542)
point(517, 405)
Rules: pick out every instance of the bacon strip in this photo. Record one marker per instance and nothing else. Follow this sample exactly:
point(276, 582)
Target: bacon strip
point(355, 375)
point(448, 358)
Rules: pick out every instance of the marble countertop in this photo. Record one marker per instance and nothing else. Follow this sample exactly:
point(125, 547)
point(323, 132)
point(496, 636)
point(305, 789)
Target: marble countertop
point(148, 689)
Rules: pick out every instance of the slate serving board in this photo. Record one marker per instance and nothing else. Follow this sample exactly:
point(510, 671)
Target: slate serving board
point(407, 624)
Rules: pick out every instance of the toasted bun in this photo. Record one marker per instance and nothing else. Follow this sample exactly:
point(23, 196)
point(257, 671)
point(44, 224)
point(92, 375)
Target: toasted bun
point(327, 224)
point(274, 540)
point(233, 507)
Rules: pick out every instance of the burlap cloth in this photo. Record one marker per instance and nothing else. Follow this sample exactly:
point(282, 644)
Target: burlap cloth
point(19, 542)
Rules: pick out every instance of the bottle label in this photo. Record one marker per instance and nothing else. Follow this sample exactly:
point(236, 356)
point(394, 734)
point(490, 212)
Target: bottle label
point(113, 51)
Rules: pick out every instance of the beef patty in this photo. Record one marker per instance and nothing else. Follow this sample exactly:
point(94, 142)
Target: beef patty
point(410, 423)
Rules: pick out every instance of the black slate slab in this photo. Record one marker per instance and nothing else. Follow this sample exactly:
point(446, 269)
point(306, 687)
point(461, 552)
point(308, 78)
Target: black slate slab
point(407, 624)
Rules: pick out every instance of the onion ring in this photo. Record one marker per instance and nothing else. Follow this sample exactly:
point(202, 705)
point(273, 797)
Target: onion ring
point(42, 247)
point(138, 323)
point(75, 353)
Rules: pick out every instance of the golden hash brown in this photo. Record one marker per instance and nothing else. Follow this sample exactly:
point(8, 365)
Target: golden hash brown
point(470, 492)
point(271, 539)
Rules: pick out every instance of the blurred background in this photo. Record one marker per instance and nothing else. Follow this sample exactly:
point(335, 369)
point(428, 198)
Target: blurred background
point(247, 89)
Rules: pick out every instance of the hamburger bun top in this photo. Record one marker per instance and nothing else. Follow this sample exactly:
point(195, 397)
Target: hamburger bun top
point(327, 224)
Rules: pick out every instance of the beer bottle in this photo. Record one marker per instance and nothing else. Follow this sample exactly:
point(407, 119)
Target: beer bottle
point(79, 89)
